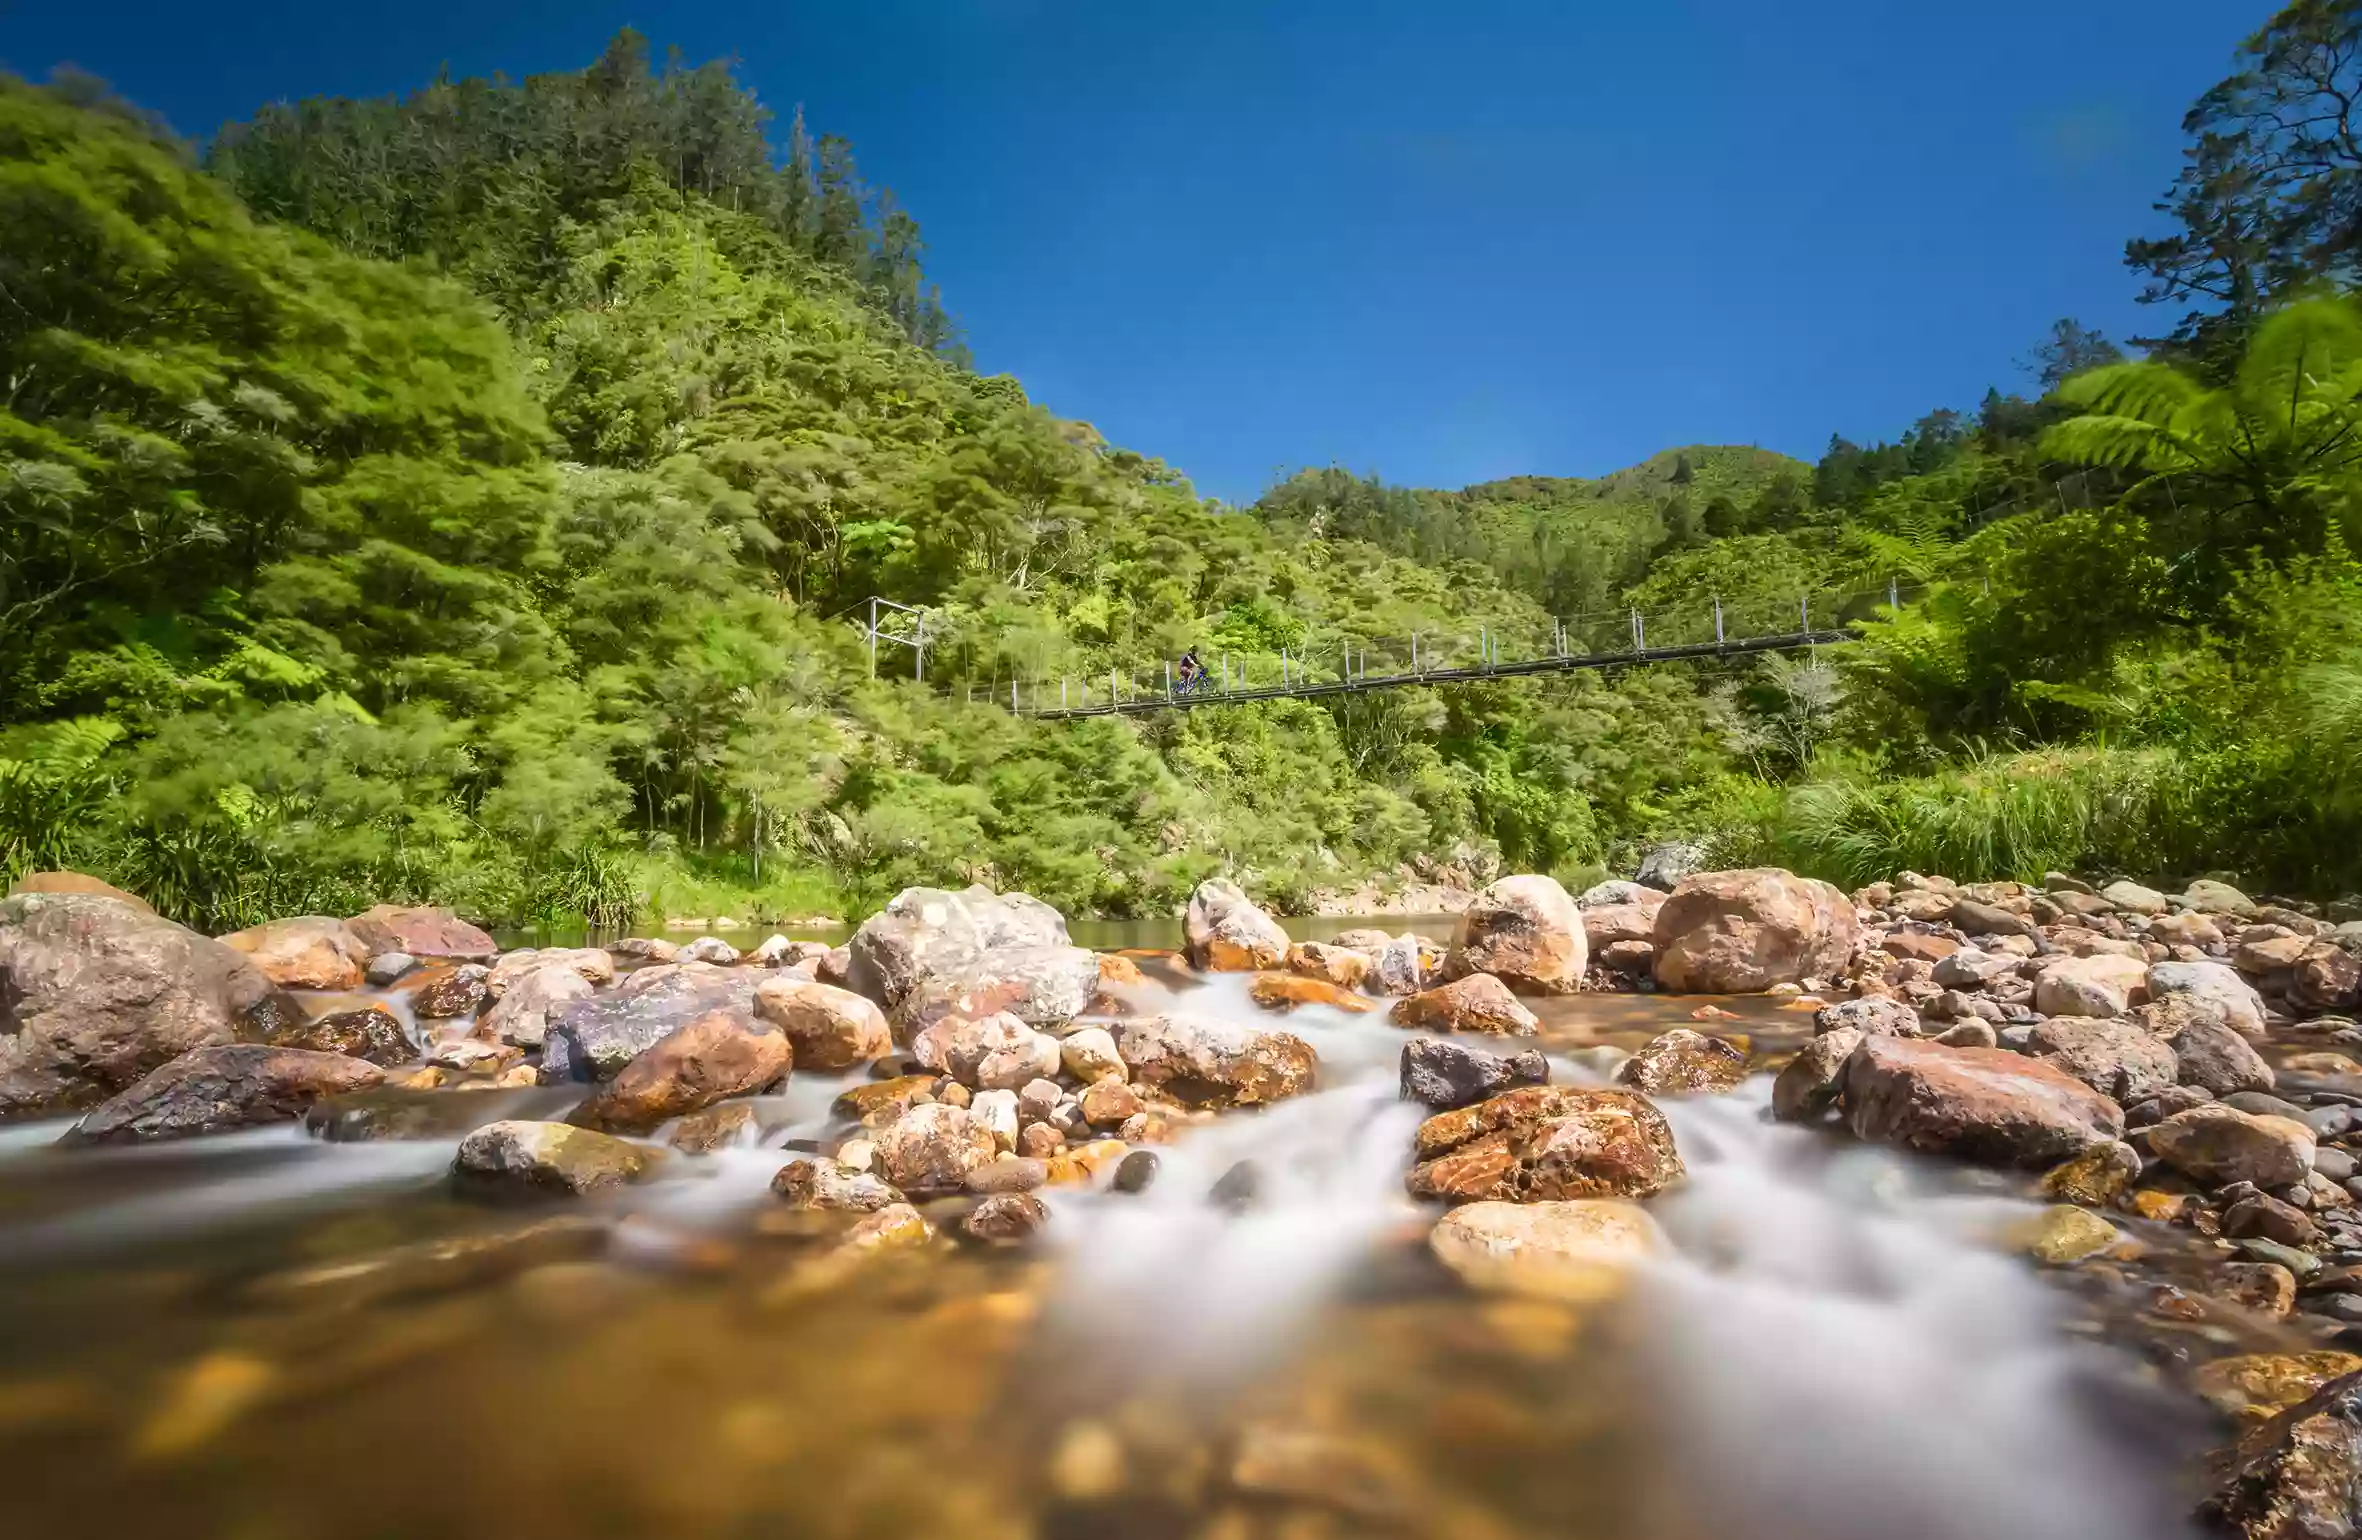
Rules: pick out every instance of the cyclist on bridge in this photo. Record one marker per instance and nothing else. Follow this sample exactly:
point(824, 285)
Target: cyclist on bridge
point(1191, 672)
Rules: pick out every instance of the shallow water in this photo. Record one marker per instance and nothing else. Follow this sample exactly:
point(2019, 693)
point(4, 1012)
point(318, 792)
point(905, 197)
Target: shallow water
point(261, 1337)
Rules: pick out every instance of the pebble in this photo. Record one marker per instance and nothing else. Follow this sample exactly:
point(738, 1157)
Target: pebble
point(2334, 1164)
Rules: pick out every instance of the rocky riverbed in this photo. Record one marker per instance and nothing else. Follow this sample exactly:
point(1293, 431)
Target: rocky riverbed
point(1747, 1207)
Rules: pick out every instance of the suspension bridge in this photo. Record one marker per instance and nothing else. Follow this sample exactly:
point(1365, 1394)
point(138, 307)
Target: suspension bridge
point(1349, 664)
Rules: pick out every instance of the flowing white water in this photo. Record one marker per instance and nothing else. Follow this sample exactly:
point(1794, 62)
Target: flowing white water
point(1839, 1359)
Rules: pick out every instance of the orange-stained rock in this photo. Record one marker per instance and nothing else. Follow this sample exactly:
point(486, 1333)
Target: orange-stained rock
point(1477, 1003)
point(1546, 1142)
point(1225, 931)
point(1286, 991)
point(1524, 931)
point(312, 951)
point(1342, 966)
point(695, 1065)
point(1738, 933)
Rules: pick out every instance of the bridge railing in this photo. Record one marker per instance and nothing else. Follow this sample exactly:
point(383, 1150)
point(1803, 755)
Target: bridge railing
point(1323, 663)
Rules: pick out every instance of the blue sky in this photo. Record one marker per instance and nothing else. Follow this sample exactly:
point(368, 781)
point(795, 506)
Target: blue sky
point(1441, 242)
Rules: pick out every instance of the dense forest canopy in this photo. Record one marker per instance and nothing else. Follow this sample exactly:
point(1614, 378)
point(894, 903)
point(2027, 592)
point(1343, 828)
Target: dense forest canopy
point(465, 497)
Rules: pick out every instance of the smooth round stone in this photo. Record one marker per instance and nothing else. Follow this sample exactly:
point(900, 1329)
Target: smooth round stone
point(1135, 1171)
point(2334, 1164)
point(386, 967)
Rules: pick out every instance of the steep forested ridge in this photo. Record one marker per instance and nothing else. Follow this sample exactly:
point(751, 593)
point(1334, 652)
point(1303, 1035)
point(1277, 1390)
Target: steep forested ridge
point(466, 497)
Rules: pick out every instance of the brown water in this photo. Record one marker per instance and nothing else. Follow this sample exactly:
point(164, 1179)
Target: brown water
point(258, 1337)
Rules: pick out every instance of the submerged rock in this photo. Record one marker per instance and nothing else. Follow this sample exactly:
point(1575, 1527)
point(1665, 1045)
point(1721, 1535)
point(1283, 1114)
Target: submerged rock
point(311, 951)
point(1286, 991)
point(1682, 1062)
point(1477, 1003)
point(231, 1085)
point(95, 993)
point(2064, 1234)
point(2098, 1176)
point(725, 1125)
point(520, 1157)
point(1546, 1142)
point(718, 1055)
point(1444, 1074)
point(1737, 933)
point(1577, 1249)
point(1225, 931)
point(831, 1029)
point(395, 1112)
point(824, 1184)
point(1203, 1062)
point(1979, 1104)
point(1524, 931)
point(1007, 1219)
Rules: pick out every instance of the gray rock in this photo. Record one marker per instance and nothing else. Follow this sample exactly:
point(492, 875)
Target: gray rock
point(2114, 1058)
point(1043, 986)
point(395, 1112)
point(1980, 919)
point(2264, 1106)
point(2212, 1055)
point(1666, 864)
point(1972, 1033)
point(593, 1039)
point(1808, 1085)
point(386, 967)
point(1136, 1171)
point(1874, 1015)
point(1445, 1074)
point(2333, 1163)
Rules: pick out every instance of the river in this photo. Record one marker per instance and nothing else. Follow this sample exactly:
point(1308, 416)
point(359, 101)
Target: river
point(262, 1337)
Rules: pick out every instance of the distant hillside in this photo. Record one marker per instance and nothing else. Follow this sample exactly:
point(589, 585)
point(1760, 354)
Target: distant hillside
point(1573, 543)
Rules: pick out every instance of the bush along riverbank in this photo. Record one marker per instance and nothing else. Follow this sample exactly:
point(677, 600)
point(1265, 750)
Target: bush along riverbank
point(2168, 1076)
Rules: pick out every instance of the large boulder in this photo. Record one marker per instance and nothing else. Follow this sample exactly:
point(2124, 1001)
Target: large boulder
point(1208, 1063)
point(1579, 1249)
point(312, 951)
point(1225, 931)
point(594, 1038)
point(1736, 933)
point(1477, 1003)
point(526, 1003)
point(1524, 931)
point(1042, 986)
point(76, 882)
point(231, 1085)
point(832, 1029)
point(2218, 1144)
point(2218, 983)
point(522, 1158)
point(2115, 1058)
point(930, 1149)
point(2298, 1475)
point(94, 993)
point(920, 932)
point(1683, 1062)
point(720, 1054)
point(2104, 986)
point(1546, 1142)
point(1442, 1073)
point(422, 933)
point(923, 932)
point(1980, 1104)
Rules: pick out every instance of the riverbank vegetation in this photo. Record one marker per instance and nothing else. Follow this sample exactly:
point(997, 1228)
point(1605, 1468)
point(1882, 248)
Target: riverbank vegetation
point(487, 526)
